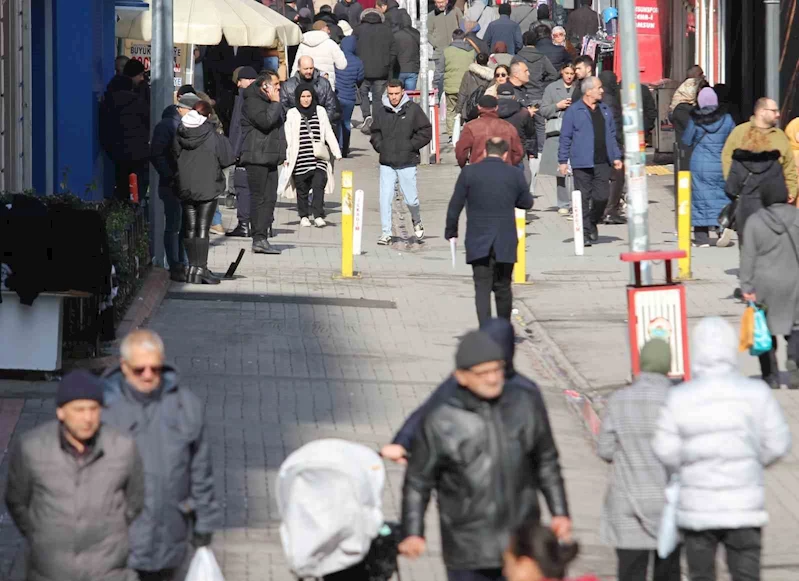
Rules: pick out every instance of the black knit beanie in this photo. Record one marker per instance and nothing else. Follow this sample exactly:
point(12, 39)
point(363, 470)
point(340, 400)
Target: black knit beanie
point(79, 384)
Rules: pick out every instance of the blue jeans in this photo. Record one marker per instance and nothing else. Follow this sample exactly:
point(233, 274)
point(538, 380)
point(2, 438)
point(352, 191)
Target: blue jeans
point(173, 221)
point(407, 184)
point(271, 63)
point(409, 80)
point(344, 127)
point(217, 217)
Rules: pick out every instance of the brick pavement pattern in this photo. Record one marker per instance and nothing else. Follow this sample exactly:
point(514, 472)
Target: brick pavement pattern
point(286, 354)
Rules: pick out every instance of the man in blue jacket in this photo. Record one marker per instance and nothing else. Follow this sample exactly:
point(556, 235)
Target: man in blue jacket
point(588, 141)
point(164, 162)
point(504, 30)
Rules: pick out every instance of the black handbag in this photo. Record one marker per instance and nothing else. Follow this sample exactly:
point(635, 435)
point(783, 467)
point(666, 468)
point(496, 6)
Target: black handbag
point(728, 212)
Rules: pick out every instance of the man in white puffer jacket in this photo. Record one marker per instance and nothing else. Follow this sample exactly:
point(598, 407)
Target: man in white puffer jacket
point(718, 432)
point(326, 54)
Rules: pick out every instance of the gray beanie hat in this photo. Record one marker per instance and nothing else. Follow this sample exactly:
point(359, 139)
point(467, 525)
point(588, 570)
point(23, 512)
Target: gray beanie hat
point(477, 347)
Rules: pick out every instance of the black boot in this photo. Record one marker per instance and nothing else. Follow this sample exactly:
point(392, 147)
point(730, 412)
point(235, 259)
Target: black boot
point(263, 247)
point(200, 273)
point(242, 230)
point(178, 273)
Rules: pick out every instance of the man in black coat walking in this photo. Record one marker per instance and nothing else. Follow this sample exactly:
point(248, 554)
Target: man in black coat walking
point(378, 52)
point(263, 149)
point(491, 190)
point(243, 77)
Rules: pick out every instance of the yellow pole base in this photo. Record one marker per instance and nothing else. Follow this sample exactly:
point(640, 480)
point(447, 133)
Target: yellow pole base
point(684, 224)
point(346, 224)
point(520, 268)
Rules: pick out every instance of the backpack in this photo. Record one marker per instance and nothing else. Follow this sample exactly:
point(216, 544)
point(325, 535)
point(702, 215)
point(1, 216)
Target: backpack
point(329, 494)
point(471, 103)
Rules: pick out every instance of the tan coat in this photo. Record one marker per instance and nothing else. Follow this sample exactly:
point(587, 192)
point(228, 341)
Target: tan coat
point(292, 128)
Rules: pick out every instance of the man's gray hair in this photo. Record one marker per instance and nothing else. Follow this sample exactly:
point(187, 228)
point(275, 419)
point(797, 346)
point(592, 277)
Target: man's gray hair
point(144, 338)
point(588, 84)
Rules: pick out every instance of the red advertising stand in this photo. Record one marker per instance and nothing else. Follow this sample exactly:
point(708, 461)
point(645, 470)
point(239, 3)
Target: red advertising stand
point(658, 311)
point(651, 29)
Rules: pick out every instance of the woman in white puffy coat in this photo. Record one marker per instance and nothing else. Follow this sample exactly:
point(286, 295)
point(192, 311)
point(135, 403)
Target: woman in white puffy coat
point(718, 432)
point(326, 54)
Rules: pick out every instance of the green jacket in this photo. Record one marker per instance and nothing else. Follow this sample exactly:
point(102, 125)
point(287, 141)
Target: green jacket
point(457, 58)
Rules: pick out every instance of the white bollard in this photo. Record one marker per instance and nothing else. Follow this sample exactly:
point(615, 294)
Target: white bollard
point(357, 226)
point(577, 214)
point(456, 130)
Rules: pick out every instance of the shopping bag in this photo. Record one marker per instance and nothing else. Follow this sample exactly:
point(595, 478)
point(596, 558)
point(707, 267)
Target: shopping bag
point(747, 336)
point(203, 567)
point(283, 177)
point(761, 342)
point(456, 129)
point(668, 533)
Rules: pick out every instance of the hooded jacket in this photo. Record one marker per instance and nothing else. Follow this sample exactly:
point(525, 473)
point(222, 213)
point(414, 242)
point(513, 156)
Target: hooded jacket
point(557, 55)
point(375, 45)
point(406, 41)
point(125, 122)
point(201, 154)
point(161, 155)
point(75, 516)
point(349, 11)
point(325, 95)
point(497, 441)
point(471, 146)
point(458, 57)
point(769, 264)
point(326, 54)
point(394, 15)
point(398, 133)
point(706, 134)
point(511, 111)
point(170, 435)
point(350, 77)
point(476, 77)
point(751, 138)
point(720, 453)
point(263, 139)
point(542, 73)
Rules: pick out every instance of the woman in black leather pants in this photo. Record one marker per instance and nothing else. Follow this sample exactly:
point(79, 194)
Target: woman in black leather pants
point(202, 153)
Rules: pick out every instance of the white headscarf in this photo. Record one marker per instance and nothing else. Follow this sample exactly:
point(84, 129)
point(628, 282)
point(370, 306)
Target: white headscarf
point(559, 29)
point(193, 119)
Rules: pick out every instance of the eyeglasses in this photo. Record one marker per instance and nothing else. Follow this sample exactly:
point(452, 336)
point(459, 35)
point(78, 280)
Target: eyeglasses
point(156, 369)
point(498, 75)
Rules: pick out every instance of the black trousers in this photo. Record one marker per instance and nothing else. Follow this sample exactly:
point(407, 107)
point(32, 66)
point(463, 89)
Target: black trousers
point(768, 361)
point(263, 192)
point(305, 183)
point(742, 546)
point(613, 206)
point(633, 565)
point(197, 219)
point(474, 575)
point(490, 275)
point(375, 86)
point(594, 185)
point(242, 195)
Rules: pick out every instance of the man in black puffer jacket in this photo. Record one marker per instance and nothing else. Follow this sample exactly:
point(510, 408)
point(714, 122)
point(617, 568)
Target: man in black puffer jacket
point(378, 52)
point(263, 149)
point(486, 450)
point(399, 131)
point(307, 73)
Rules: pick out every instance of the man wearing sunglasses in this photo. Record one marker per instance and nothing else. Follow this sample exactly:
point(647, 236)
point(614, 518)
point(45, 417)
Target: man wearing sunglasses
point(145, 400)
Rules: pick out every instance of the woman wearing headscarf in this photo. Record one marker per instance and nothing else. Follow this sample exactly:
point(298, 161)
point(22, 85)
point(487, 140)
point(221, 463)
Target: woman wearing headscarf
point(559, 39)
point(635, 494)
point(706, 134)
point(312, 145)
point(770, 274)
point(201, 155)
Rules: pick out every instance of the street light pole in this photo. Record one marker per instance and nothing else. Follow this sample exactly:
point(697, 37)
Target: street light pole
point(161, 89)
point(634, 154)
point(773, 50)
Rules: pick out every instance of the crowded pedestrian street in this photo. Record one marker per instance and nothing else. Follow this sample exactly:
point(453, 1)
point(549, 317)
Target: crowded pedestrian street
point(287, 353)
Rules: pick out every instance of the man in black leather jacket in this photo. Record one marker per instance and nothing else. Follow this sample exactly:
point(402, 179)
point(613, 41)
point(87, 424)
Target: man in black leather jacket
point(487, 449)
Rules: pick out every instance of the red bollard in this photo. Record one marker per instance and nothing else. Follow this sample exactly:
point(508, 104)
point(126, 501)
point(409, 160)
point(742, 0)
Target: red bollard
point(133, 186)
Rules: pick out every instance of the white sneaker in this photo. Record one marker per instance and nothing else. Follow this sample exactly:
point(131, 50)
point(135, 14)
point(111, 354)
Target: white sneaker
point(305, 222)
point(384, 240)
point(563, 211)
point(725, 239)
point(418, 229)
point(319, 222)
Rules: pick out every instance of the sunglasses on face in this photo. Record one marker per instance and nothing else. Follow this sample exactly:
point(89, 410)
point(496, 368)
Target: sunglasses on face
point(498, 75)
point(139, 371)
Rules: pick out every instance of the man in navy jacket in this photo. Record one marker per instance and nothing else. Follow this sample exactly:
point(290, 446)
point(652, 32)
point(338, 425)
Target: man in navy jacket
point(490, 190)
point(588, 141)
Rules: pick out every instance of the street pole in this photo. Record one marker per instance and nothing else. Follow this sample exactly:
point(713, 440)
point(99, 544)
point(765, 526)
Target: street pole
point(773, 50)
point(634, 153)
point(423, 82)
point(161, 88)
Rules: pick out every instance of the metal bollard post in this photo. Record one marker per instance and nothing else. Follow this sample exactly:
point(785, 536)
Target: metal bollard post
point(133, 187)
point(520, 268)
point(346, 224)
point(684, 223)
point(577, 214)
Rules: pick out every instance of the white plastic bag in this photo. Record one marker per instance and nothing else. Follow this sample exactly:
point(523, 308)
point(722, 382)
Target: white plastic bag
point(456, 129)
point(204, 567)
point(283, 176)
point(669, 534)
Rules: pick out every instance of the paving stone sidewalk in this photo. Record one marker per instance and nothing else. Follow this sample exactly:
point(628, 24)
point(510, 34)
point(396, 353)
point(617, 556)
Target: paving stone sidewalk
point(286, 354)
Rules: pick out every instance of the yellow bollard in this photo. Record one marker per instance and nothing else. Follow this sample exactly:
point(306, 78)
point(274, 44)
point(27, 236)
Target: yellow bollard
point(346, 224)
point(520, 268)
point(684, 223)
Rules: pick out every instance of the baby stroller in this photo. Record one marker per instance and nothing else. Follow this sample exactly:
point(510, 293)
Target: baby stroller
point(329, 495)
